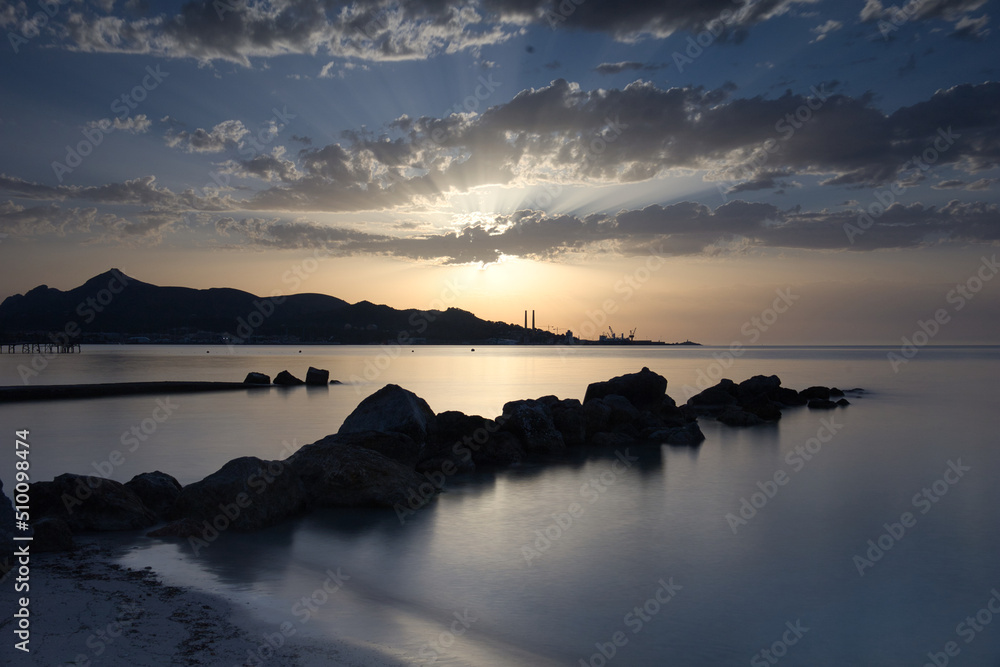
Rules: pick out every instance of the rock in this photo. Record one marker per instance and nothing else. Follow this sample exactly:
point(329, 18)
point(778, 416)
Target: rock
point(611, 440)
point(336, 382)
point(787, 397)
point(286, 379)
point(815, 392)
point(622, 410)
point(688, 435)
point(502, 449)
point(757, 385)
point(843, 402)
point(835, 393)
point(337, 475)
point(89, 503)
point(735, 416)
point(392, 408)
point(596, 416)
point(714, 400)
point(157, 490)
point(245, 494)
point(317, 377)
point(644, 390)
point(257, 378)
point(396, 446)
point(51, 535)
point(531, 423)
point(821, 404)
point(569, 420)
point(761, 406)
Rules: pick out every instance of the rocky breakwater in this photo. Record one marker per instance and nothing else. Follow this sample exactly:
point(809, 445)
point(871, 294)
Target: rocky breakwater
point(396, 453)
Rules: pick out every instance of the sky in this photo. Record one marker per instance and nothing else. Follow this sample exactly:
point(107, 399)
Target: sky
point(770, 172)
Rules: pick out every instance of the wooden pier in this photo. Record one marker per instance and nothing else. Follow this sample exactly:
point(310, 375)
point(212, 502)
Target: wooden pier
point(39, 348)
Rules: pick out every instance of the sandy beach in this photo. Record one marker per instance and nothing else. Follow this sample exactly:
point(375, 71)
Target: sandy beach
point(86, 609)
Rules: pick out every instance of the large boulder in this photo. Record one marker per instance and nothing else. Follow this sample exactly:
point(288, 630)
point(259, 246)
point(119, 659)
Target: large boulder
point(338, 475)
point(245, 494)
point(317, 377)
point(157, 490)
point(392, 408)
point(688, 435)
point(644, 390)
point(815, 392)
point(257, 378)
point(500, 450)
point(531, 422)
point(87, 502)
point(396, 446)
point(737, 416)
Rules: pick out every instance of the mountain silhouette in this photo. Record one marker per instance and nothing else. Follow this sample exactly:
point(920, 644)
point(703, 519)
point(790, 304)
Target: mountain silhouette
point(113, 304)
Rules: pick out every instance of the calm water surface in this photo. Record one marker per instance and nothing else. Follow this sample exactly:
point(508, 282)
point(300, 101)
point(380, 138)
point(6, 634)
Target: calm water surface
point(454, 584)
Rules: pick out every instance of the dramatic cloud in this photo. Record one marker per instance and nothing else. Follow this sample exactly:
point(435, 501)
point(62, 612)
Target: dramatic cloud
point(381, 30)
point(564, 134)
point(891, 18)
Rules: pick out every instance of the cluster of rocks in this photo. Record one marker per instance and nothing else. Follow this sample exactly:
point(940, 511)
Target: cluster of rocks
point(761, 399)
point(315, 377)
point(394, 451)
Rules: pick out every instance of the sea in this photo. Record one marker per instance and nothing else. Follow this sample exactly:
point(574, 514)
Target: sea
point(866, 535)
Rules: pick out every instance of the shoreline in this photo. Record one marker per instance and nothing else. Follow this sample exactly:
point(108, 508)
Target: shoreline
point(88, 609)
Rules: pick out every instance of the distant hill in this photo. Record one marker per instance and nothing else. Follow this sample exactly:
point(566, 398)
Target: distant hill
point(114, 307)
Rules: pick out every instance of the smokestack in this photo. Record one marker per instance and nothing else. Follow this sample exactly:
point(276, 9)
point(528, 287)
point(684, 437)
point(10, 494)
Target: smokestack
point(525, 319)
point(532, 320)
